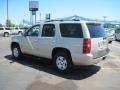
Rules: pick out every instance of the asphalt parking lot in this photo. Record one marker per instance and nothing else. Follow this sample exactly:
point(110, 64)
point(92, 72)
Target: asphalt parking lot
point(34, 74)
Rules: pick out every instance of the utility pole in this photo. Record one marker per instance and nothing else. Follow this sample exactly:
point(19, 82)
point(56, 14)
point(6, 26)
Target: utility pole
point(104, 17)
point(7, 11)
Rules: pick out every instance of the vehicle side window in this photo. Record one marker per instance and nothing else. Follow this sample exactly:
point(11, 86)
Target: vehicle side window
point(33, 31)
point(48, 30)
point(16, 28)
point(1, 29)
point(71, 30)
point(8, 28)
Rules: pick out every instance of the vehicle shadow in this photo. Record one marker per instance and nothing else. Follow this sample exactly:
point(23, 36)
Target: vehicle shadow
point(79, 73)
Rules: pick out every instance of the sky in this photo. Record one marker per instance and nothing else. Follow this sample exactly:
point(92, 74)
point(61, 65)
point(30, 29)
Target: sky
point(95, 9)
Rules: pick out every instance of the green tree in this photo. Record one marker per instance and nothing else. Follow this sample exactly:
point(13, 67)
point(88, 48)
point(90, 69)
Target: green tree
point(109, 25)
point(8, 23)
point(20, 25)
point(1, 25)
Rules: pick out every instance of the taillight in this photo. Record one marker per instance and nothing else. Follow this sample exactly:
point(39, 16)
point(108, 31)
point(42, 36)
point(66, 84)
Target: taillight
point(86, 46)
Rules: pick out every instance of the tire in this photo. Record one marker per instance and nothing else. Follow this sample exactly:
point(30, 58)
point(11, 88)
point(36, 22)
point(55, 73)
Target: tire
point(110, 42)
point(16, 52)
point(6, 34)
point(19, 33)
point(116, 38)
point(63, 63)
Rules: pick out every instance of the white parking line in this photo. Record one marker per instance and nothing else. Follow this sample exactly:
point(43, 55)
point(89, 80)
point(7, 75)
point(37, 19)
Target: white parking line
point(115, 46)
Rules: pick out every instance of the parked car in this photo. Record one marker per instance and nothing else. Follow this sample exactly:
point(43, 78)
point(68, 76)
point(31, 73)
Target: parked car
point(110, 35)
point(117, 34)
point(66, 43)
point(5, 31)
point(17, 30)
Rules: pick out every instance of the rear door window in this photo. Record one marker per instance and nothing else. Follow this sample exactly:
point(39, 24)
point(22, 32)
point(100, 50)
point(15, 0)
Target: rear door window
point(96, 30)
point(71, 30)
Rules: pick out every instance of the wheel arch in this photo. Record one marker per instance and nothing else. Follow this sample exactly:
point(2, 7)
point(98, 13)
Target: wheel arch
point(60, 49)
point(14, 43)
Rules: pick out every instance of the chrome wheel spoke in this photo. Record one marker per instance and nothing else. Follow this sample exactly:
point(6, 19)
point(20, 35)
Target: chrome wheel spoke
point(61, 63)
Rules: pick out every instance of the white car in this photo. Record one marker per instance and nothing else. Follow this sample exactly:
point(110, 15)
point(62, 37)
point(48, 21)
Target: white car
point(5, 31)
point(67, 43)
point(110, 35)
point(16, 30)
point(117, 34)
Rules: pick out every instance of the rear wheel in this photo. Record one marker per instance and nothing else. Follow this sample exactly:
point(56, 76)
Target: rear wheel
point(63, 63)
point(19, 33)
point(6, 34)
point(16, 52)
point(116, 38)
point(110, 42)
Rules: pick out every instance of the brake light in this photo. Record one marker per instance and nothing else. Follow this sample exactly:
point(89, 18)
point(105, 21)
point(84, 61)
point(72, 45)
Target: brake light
point(86, 46)
point(94, 24)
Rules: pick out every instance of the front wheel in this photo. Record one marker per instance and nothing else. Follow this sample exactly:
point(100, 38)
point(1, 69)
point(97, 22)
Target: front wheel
point(16, 52)
point(63, 63)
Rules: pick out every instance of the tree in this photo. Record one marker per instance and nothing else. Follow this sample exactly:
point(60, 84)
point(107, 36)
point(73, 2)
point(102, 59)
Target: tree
point(20, 25)
point(8, 23)
point(109, 25)
point(1, 25)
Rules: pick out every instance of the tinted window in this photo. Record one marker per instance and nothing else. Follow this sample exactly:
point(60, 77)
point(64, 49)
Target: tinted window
point(23, 28)
point(71, 30)
point(1, 29)
point(8, 28)
point(96, 30)
point(48, 30)
point(16, 28)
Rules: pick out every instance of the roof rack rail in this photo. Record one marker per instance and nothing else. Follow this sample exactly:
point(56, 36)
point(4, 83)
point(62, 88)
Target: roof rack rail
point(62, 20)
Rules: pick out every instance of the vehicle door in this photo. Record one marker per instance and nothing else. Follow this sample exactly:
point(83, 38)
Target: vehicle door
point(30, 39)
point(47, 40)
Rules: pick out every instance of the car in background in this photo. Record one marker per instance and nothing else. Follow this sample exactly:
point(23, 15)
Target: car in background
point(110, 35)
point(7, 31)
point(117, 34)
point(16, 30)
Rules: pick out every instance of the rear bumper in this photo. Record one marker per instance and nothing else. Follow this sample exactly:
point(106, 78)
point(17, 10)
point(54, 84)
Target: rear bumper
point(87, 59)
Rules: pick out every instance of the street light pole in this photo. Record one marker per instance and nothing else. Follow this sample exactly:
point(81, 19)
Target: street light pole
point(7, 11)
point(104, 17)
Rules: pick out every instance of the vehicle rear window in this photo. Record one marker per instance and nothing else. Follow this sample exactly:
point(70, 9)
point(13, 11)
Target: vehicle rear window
point(96, 30)
point(71, 30)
